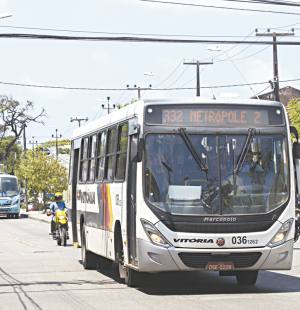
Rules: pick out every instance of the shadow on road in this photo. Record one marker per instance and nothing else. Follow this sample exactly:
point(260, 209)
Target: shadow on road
point(22, 216)
point(198, 283)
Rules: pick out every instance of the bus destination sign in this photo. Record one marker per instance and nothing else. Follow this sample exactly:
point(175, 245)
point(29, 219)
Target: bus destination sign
point(215, 117)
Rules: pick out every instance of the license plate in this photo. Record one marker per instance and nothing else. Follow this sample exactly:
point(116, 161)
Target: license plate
point(220, 266)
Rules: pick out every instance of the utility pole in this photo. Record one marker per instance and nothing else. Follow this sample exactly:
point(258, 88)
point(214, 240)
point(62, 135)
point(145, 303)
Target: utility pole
point(197, 63)
point(79, 120)
point(108, 108)
point(26, 181)
point(274, 35)
point(56, 136)
point(139, 89)
point(33, 143)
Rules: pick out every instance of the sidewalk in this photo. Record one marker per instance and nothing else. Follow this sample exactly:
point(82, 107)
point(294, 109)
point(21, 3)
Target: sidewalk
point(36, 215)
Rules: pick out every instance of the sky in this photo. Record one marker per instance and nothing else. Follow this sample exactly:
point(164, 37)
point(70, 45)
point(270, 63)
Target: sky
point(117, 64)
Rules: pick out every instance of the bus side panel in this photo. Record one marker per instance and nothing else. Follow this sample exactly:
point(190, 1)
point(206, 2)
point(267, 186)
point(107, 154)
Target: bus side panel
point(95, 235)
point(80, 188)
point(101, 215)
point(113, 213)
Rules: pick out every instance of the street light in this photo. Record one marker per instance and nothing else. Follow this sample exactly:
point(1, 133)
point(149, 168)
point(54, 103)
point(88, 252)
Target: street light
point(108, 108)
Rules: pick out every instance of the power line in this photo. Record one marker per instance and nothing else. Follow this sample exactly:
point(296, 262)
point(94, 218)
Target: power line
point(122, 89)
point(246, 57)
point(178, 77)
point(136, 39)
point(220, 7)
point(171, 74)
point(265, 2)
point(119, 33)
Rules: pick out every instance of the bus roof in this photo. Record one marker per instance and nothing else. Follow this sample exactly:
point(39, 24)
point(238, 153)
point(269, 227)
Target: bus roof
point(6, 175)
point(197, 100)
point(136, 108)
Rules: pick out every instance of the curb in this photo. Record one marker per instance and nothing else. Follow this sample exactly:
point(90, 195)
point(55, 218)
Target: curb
point(32, 217)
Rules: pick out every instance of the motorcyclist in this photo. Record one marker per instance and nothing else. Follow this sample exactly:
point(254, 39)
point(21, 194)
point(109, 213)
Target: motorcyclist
point(57, 204)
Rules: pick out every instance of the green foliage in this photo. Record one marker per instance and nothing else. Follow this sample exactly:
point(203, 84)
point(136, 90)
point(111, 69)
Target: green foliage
point(293, 110)
point(125, 104)
point(15, 117)
point(44, 174)
point(64, 150)
point(62, 142)
point(11, 159)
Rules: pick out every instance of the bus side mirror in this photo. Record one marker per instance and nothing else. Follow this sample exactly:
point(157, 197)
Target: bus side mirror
point(294, 131)
point(137, 145)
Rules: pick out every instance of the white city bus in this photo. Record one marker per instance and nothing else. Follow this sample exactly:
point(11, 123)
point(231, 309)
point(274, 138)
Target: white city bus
point(185, 185)
point(9, 196)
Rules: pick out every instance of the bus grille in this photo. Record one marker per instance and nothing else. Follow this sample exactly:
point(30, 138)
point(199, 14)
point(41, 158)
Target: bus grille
point(200, 260)
point(218, 227)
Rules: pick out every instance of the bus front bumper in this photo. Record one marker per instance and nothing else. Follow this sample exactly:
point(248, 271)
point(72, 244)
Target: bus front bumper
point(154, 258)
point(15, 209)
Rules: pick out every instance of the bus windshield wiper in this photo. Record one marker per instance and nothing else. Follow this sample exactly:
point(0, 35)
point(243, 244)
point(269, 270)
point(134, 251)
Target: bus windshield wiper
point(192, 149)
point(242, 157)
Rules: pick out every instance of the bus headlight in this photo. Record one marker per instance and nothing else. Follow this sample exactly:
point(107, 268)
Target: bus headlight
point(15, 200)
point(154, 235)
point(280, 236)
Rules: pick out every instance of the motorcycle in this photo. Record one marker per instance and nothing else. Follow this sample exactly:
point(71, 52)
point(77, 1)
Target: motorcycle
point(297, 219)
point(61, 232)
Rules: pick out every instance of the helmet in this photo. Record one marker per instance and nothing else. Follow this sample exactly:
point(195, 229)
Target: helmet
point(58, 195)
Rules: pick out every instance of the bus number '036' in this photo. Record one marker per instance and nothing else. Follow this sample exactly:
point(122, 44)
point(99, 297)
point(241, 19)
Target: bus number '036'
point(239, 240)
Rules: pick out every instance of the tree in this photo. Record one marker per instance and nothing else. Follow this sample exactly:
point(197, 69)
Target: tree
point(60, 142)
point(13, 158)
point(293, 110)
point(44, 173)
point(14, 117)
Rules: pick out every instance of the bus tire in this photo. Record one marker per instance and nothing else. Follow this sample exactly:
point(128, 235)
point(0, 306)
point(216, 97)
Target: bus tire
point(131, 277)
point(16, 215)
point(89, 259)
point(246, 277)
point(125, 273)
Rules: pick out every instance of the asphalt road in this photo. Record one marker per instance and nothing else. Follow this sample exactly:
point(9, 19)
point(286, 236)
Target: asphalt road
point(37, 274)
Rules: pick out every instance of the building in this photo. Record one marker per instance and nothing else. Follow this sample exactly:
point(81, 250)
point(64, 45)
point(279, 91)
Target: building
point(286, 94)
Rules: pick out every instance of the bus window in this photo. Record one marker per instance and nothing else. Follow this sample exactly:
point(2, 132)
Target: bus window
point(100, 155)
point(92, 151)
point(122, 152)
point(83, 160)
point(110, 154)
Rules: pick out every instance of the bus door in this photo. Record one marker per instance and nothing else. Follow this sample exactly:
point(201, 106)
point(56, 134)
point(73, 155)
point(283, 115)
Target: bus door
point(131, 189)
point(74, 177)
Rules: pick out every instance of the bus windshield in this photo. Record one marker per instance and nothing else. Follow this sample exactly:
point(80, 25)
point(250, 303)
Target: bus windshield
point(8, 187)
point(180, 181)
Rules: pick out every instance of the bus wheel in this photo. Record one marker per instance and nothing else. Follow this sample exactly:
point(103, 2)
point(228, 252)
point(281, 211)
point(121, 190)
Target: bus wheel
point(89, 259)
point(246, 277)
point(129, 275)
point(16, 215)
